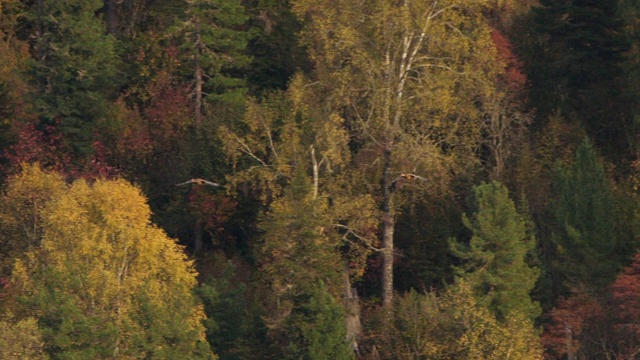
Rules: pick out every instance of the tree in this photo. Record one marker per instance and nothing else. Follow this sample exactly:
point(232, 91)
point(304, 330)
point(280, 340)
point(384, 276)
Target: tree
point(577, 328)
point(105, 282)
point(625, 292)
point(590, 250)
point(75, 69)
point(276, 51)
point(495, 261)
point(577, 67)
point(505, 117)
point(215, 43)
point(289, 156)
point(316, 328)
point(21, 206)
point(14, 57)
point(403, 75)
point(235, 318)
point(21, 340)
point(454, 326)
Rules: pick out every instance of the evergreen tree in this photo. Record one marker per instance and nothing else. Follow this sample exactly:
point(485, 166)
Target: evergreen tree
point(590, 251)
point(316, 327)
point(275, 47)
point(235, 327)
point(75, 67)
point(494, 262)
point(215, 44)
point(578, 65)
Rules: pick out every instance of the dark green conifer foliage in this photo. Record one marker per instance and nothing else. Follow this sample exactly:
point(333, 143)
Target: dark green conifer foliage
point(317, 327)
point(75, 67)
point(234, 325)
point(578, 66)
point(214, 44)
point(494, 262)
point(275, 47)
point(588, 246)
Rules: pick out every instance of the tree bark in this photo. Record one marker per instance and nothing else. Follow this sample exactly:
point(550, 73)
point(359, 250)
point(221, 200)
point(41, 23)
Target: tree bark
point(112, 18)
point(198, 75)
point(352, 308)
point(388, 227)
point(198, 242)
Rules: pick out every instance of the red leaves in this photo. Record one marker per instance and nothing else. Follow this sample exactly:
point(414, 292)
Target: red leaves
point(513, 76)
point(213, 210)
point(612, 322)
point(563, 335)
point(97, 165)
point(169, 112)
point(42, 146)
point(625, 294)
point(47, 148)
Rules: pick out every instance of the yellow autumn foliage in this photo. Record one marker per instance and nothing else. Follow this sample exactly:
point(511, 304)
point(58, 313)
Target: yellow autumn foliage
point(453, 326)
point(105, 280)
point(21, 340)
point(21, 205)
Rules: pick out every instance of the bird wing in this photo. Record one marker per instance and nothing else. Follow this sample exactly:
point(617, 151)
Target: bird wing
point(185, 183)
point(210, 183)
point(199, 182)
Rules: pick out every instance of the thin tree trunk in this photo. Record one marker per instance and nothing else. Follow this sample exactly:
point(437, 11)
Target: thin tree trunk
point(112, 18)
point(316, 171)
point(198, 74)
point(388, 227)
point(352, 309)
point(198, 242)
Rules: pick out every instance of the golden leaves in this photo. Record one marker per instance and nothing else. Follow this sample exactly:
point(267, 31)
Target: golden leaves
point(100, 251)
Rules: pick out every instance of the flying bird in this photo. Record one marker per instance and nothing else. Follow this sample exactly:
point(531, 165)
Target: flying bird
point(412, 177)
point(199, 181)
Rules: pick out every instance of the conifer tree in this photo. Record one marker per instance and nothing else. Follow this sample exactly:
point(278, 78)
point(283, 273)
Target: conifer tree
point(578, 66)
point(215, 45)
point(590, 251)
point(495, 261)
point(75, 67)
point(316, 327)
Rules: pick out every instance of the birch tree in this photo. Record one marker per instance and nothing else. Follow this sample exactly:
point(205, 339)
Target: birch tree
point(405, 76)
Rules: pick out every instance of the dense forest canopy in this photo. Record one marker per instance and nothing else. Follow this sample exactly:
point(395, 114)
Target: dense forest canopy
point(319, 179)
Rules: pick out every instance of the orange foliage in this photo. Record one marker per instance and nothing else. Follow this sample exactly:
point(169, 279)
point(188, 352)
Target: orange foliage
point(573, 316)
point(513, 75)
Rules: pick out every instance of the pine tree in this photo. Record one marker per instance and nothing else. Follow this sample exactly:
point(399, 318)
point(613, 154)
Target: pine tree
point(215, 44)
point(590, 250)
point(495, 261)
point(316, 327)
point(75, 68)
point(578, 66)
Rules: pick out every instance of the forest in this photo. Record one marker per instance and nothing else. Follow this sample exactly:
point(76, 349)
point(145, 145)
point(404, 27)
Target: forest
point(320, 179)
